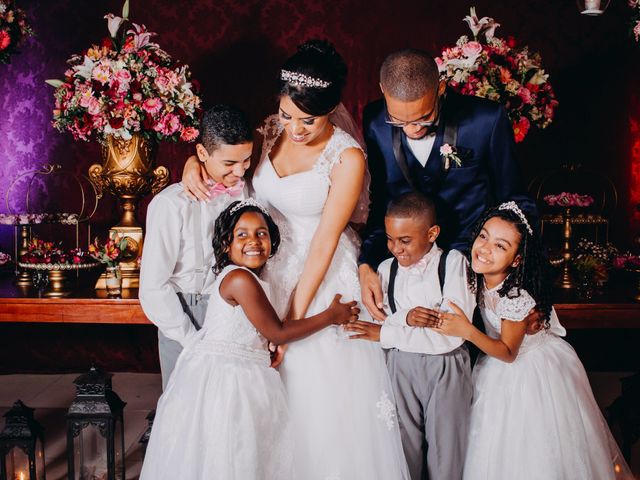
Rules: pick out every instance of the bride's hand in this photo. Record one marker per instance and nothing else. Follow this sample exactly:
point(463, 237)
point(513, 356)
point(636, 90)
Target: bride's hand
point(195, 179)
point(371, 290)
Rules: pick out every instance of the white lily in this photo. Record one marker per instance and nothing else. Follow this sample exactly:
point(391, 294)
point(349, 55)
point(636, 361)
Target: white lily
point(85, 70)
point(486, 25)
point(113, 24)
point(539, 77)
point(54, 83)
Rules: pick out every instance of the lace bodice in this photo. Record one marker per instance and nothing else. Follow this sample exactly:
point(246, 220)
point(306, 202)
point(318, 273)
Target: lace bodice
point(227, 325)
point(296, 203)
point(516, 309)
point(302, 194)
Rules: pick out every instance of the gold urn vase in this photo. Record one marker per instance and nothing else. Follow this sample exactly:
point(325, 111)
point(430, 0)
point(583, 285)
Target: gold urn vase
point(128, 171)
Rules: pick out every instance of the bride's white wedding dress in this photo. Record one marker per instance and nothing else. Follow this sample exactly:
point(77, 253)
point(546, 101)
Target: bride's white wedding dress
point(340, 398)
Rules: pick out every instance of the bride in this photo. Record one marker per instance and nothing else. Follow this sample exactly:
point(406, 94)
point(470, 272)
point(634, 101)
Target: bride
point(312, 176)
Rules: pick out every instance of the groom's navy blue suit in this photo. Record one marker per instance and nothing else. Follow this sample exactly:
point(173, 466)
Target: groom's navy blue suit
point(489, 173)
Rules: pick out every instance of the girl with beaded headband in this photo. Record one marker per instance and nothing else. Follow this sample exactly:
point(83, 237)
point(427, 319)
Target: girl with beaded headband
point(533, 414)
point(224, 395)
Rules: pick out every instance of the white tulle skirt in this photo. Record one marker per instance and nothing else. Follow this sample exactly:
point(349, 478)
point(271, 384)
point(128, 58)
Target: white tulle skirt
point(536, 418)
point(220, 418)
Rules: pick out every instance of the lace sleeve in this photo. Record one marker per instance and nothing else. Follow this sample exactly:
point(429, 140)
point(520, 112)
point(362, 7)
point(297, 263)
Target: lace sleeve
point(340, 142)
point(270, 131)
point(516, 308)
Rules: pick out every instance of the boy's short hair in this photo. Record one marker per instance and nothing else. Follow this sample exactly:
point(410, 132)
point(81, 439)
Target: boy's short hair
point(224, 125)
point(413, 205)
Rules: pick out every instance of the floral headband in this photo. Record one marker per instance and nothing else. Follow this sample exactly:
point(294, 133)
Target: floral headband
point(301, 80)
point(513, 206)
point(249, 202)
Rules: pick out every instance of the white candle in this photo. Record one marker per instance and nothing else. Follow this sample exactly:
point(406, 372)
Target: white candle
point(592, 4)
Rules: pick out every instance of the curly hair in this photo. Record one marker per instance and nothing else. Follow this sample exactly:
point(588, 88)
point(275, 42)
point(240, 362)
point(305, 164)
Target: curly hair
point(531, 274)
point(224, 124)
point(223, 233)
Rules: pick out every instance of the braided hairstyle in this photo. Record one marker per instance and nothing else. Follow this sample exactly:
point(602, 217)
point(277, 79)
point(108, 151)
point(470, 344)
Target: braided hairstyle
point(223, 233)
point(531, 274)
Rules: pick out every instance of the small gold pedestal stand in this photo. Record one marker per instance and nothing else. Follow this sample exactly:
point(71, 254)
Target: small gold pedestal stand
point(127, 171)
point(23, 277)
point(57, 273)
point(566, 279)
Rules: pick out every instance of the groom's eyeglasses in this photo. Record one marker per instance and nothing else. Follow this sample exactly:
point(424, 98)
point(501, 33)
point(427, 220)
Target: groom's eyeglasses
point(419, 122)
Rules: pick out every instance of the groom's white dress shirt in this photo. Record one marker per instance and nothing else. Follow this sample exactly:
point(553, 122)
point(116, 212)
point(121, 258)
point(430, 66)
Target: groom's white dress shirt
point(421, 148)
point(419, 285)
point(169, 257)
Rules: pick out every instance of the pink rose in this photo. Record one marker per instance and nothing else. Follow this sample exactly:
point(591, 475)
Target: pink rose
point(93, 106)
point(525, 95)
point(163, 83)
point(471, 49)
point(189, 134)
point(446, 149)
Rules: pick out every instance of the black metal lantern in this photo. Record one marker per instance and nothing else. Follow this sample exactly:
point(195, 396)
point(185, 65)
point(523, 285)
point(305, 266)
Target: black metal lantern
point(21, 445)
point(144, 439)
point(95, 429)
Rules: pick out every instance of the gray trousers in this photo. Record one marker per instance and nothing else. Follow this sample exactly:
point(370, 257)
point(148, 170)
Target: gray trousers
point(433, 397)
point(195, 307)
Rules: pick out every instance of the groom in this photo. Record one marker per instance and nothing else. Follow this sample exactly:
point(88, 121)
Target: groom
point(457, 149)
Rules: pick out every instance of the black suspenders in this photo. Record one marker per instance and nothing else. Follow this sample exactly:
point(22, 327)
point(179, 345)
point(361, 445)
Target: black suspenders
point(442, 270)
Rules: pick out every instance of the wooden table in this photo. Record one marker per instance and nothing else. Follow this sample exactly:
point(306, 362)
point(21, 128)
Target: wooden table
point(615, 309)
point(116, 334)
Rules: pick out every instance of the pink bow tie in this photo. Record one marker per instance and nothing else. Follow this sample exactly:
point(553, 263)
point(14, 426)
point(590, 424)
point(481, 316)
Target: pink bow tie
point(219, 188)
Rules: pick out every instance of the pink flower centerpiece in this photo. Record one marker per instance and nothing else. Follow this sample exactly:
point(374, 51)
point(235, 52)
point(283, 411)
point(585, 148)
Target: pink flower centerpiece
point(566, 199)
point(497, 69)
point(125, 85)
point(635, 19)
point(13, 29)
point(41, 252)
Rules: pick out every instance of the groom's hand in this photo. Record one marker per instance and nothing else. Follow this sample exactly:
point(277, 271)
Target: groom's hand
point(195, 179)
point(371, 290)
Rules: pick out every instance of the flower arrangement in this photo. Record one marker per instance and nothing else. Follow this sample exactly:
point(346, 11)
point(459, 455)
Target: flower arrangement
point(35, 218)
point(126, 85)
point(627, 261)
point(497, 69)
point(566, 199)
point(40, 252)
point(589, 268)
point(603, 253)
point(635, 19)
point(13, 29)
point(110, 252)
point(4, 258)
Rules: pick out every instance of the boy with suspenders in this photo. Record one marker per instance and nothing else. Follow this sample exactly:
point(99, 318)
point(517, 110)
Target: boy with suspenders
point(430, 372)
point(178, 253)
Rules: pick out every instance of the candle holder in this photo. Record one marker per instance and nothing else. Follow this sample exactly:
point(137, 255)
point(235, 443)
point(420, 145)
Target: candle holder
point(566, 279)
point(592, 8)
point(21, 445)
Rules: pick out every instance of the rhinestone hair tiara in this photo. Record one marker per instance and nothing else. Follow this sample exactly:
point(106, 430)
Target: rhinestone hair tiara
point(513, 206)
point(301, 80)
point(249, 202)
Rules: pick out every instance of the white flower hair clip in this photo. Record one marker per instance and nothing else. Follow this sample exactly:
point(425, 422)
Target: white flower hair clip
point(249, 202)
point(301, 80)
point(513, 206)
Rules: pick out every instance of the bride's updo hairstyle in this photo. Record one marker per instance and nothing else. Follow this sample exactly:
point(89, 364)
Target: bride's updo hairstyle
point(313, 77)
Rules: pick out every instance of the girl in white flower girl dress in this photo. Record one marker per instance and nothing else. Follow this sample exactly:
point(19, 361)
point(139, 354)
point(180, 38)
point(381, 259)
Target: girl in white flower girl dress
point(223, 414)
point(533, 414)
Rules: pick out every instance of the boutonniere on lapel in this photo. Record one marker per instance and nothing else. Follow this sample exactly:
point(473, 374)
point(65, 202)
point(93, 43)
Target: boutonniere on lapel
point(450, 154)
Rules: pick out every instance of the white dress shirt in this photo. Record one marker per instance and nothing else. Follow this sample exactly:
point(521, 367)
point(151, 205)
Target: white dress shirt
point(419, 285)
point(421, 148)
point(169, 257)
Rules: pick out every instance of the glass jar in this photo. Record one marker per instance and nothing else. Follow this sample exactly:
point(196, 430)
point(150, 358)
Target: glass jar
point(114, 281)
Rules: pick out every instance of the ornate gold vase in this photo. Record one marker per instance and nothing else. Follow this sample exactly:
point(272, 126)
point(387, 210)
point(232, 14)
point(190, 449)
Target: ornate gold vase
point(128, 171)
